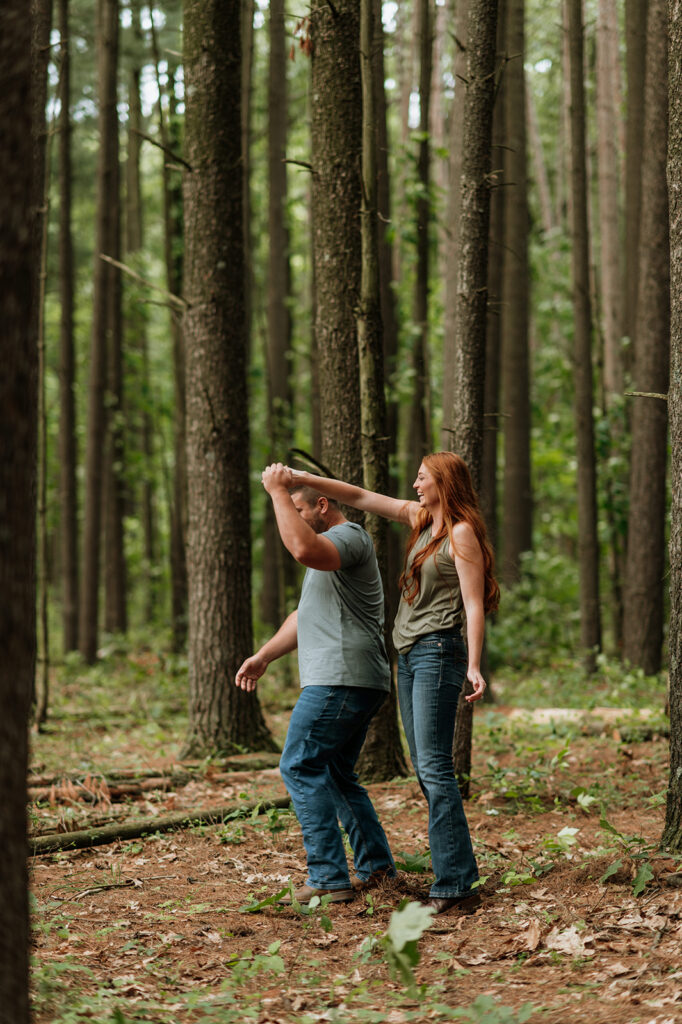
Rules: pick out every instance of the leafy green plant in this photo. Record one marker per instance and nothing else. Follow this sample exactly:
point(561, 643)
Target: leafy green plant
point(635, 849)
point(416, 863)
point(249, 966)
point(398, 945)
point(485, 1010)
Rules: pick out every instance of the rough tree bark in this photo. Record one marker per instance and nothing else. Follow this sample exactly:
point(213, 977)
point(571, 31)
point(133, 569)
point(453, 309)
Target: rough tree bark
point(472, 277)
point(672, 832)
point(517, 521)
point(588, 545)
point(107, 35)
point(635, 64)
point(68, 492)
point(18, 440)
point(336, 133)
point(645, 564)
point(222, 717)
point(278, 567)
point(382, 754)
point(419, 432)
point(453, 212)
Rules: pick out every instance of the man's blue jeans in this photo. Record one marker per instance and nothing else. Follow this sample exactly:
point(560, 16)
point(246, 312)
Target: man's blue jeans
point(430, 678)
point(326, 731)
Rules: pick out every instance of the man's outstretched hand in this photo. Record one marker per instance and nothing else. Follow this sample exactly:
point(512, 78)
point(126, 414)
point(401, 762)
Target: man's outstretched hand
point(250, 672)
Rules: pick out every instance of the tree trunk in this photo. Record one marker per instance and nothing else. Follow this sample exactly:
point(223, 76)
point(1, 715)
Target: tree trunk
point(645, 573)
point(547, 218)
point(107, 36)
point(608, 181)
point(68, 454)
point(635, 36)
point(452, 233)
point(472, 277)
point(41, 14)
point(18, 410)
point(136, 332)
point(495, 310)
point(278, 567)
point(389, 319)
point(222, 717)
point(612, 299)
point(336, 195)
point(115, 574)
point(517, 523)
point(672, 832)
point(419, 435)
point(382, 755)
point(170, 133)
point(588, 545)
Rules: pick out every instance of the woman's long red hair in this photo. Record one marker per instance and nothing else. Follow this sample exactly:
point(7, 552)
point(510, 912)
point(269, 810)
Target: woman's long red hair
point(459, 503)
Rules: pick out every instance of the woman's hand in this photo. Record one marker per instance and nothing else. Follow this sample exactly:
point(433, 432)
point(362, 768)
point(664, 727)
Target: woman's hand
point(478, 682)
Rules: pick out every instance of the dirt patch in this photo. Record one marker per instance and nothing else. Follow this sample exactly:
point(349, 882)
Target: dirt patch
point(155, 928)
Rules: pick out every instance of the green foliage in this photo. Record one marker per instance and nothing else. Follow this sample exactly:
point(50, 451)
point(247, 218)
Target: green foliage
point(486, 1010)
point(539, 617)
point(398, 945)
point(636, 849)
point(416, 863)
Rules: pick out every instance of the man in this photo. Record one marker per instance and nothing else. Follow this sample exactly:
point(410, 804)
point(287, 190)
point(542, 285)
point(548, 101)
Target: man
point(344, 675)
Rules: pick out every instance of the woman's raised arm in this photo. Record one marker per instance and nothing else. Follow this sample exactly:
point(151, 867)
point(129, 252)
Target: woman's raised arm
point(358, 497)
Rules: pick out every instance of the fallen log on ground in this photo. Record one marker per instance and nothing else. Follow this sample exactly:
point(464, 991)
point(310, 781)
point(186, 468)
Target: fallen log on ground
point(142, 827)
point(185, 771)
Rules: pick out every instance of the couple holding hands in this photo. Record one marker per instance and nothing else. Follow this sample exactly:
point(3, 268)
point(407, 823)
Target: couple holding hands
point(446, 588)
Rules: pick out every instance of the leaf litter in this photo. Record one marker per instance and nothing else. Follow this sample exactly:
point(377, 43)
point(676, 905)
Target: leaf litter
point(549, 933)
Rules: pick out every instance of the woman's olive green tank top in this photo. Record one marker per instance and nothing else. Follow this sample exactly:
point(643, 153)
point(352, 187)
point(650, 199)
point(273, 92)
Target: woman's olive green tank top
point(438, 605)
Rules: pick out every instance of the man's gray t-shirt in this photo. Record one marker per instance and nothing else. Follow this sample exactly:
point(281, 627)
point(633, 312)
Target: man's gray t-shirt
point(341, 617)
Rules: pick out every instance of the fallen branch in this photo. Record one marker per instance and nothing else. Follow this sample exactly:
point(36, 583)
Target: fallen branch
point(187, 772)
point(142, 827)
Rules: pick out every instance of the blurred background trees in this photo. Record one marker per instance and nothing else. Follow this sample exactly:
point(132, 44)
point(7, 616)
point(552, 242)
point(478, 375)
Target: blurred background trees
point(574, 462)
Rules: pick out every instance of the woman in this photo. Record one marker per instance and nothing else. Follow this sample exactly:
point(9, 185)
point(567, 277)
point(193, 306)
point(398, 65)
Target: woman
point(448, 577)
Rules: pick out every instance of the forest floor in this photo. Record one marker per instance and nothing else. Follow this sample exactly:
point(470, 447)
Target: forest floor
point(581, 916)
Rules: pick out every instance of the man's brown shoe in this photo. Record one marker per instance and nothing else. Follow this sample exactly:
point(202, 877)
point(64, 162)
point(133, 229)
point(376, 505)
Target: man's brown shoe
point(306, 893)
point(375, 879)
point(460, 905)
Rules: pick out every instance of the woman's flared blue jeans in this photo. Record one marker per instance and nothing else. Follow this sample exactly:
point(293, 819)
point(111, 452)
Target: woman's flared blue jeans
point(326, 731)
point(430, 678)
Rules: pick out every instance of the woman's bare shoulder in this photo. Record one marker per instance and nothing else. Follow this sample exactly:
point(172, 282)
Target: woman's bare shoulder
point(464, 540)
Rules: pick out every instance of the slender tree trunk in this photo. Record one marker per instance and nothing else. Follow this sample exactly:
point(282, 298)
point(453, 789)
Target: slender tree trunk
point(277, 564)
point(495, 309)
point(588, 546)
point(170, 133)
point(336, 195)
point(635, 36)
point(222, 717)
point(382, 755)
point(472, 278)
point(452, 236)
point(547, 218)
point(419, 436)
point(115, 573)
point(611, 265)
point(645, 573)
point(107, 35)
point(68, 454)
point(672, 832)
point(18, 410)
point(136, 333)
point(248, 8)
point(517, 523)
point(389, 319)
point(41, 15)
point(608, 181)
